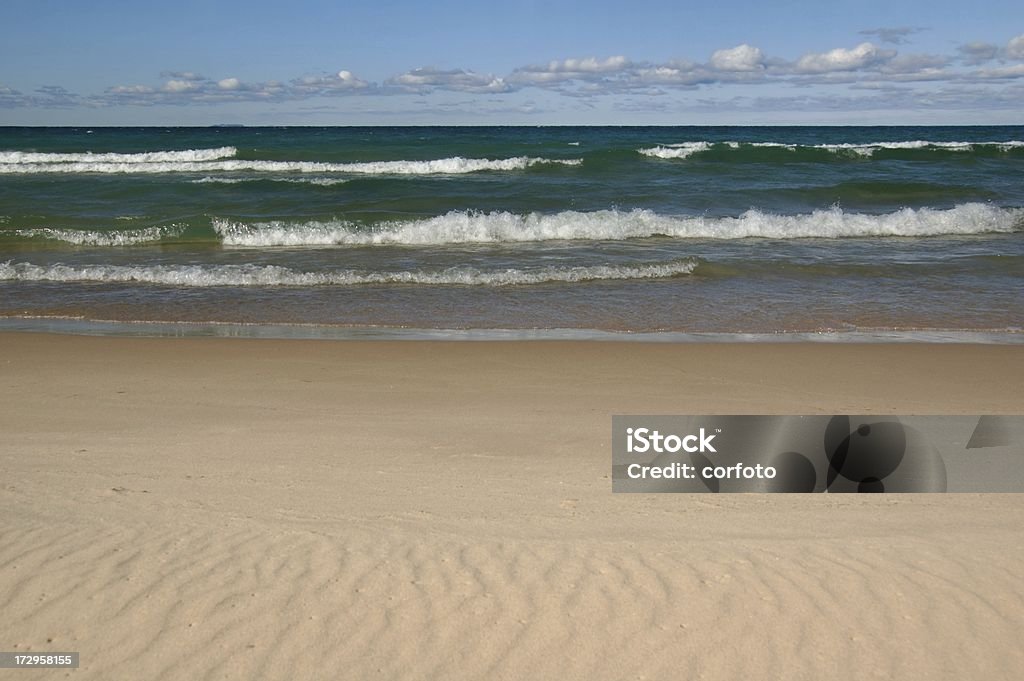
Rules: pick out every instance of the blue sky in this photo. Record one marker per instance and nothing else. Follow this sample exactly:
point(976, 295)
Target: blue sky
point(521, 62)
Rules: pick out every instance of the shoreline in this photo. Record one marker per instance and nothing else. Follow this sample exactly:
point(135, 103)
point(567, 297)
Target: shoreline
point(313, 331)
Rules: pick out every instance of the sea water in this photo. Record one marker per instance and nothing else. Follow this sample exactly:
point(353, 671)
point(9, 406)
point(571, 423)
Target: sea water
point(689, 230)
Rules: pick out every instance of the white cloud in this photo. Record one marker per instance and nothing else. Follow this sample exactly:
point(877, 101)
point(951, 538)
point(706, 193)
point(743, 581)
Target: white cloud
point(182, 75)
point(588, 77)
point(334, 83)
point(1015, 48)
point(842, 59)
point(1000, 73)
point(917, 68)
point(589, 65)
point(855, 71)
point(740, 58)
point(130, 90)
point(912, 63)
point(46, 96)
point(670, 74)
point(428, 78)
point(978, 52)
point(180, 85)
point(588, 69)
point(190, 88)
point(895, 36)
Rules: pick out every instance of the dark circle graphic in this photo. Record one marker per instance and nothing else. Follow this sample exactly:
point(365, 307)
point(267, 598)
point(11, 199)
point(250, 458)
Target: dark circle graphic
point(870, 485)
point(794, 473)
point(867, 451)
point(836, 433)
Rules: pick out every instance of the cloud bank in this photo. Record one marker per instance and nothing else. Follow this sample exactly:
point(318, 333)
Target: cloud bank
point(975, 74)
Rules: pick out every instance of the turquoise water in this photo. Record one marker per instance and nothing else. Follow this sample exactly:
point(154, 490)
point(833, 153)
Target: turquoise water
point(689, 230)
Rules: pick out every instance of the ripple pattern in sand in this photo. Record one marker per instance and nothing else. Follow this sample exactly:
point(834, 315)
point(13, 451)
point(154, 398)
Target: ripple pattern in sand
point(245, 601)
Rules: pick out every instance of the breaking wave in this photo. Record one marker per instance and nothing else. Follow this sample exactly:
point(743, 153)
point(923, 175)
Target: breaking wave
point(318, 181)
point(445, 166)
point(273, 275)
point(124, 237)
point(687, 149)
point(469, 227)
point(185, 156)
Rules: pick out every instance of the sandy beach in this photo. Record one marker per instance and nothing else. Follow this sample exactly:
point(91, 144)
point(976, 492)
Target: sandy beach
point(256, 509)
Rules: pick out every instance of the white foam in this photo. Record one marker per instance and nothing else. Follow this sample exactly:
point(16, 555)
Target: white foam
point(444, 166)
point(209, 179)
point(772, 145)
point(681, 150)
point(273, 275)
point(318, 181)
point(468, 227)
point(187, 155)
point(870, 148)
point(123, 237)
point(687, 149)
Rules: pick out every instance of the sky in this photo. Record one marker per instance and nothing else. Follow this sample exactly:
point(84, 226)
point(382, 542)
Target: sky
point(519, 62)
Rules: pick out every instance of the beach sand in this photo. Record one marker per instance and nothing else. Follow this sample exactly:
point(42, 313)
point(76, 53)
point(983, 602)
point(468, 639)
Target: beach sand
point(255, 509)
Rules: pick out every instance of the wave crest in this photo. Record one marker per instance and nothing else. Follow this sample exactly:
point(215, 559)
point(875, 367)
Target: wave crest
point(867, 149)
point(123, 237)
point(186, 155)
point(273, 275)
point(468, 227)
point(317, 181)
point(456, 165)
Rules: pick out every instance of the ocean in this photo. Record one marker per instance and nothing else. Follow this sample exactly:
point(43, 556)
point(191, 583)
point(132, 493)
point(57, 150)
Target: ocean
point(746, 232)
